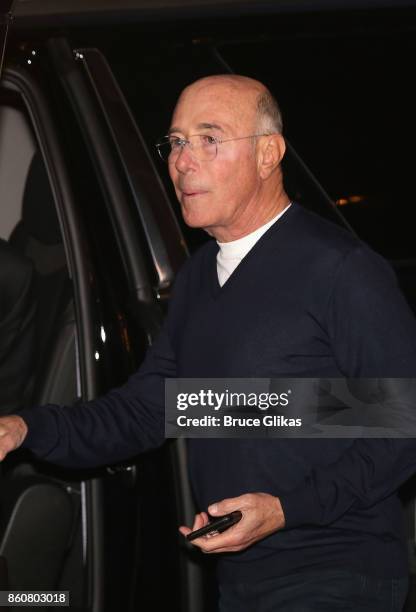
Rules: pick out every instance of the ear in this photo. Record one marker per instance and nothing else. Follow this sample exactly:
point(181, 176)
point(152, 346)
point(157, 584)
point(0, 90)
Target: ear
point(271, 151)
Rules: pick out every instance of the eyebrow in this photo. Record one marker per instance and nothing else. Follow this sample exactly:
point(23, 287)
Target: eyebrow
point(209, 126)
point(200, 126)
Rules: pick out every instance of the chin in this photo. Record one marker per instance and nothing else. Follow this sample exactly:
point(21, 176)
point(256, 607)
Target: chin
point(195, 222)
point(193, 219)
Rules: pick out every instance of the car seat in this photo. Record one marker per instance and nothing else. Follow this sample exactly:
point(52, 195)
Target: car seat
point(37, 513)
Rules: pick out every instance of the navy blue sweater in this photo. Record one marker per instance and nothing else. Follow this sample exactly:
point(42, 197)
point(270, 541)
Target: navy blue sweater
point(309, 300)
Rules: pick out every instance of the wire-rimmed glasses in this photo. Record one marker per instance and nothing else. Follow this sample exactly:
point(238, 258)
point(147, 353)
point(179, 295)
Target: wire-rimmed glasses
point(203, 147)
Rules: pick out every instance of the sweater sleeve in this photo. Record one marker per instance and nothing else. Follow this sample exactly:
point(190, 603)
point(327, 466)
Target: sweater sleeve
point(373, 334)
point(124, 422)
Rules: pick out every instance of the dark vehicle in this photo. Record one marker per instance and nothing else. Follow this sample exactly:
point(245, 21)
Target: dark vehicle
point(84, 95)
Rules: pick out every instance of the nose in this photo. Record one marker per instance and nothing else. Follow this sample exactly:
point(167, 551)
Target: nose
point(185, 160)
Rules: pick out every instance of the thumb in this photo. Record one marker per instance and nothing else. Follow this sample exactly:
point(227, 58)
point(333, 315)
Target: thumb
point(223, 507)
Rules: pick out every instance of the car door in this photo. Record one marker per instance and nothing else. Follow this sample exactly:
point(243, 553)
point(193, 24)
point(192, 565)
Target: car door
point(83, 536)
point(42, 508)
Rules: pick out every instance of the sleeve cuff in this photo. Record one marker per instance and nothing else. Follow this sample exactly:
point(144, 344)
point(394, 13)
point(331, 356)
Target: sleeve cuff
point(300, 506)
point(42, 435)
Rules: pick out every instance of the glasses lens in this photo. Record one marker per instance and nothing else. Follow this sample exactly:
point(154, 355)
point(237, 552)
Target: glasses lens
point(204, 147)
point(164, 149)
point(201, 146)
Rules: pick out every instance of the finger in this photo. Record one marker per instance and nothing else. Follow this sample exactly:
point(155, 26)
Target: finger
point(198, 522)
point(221, 541)
point(228, 549)
point(4, 451)
point(199, 542)
point(227, 505)
point(6, 446)
point(205, 518)
point(211, 546)
point(184, 530)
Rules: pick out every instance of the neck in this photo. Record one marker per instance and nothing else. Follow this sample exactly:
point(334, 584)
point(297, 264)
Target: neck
point(253, 217)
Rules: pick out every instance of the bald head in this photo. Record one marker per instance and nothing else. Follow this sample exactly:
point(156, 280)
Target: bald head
point(248, 97)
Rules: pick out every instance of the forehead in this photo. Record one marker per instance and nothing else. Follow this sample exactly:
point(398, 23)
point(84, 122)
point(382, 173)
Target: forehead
point(216, 104)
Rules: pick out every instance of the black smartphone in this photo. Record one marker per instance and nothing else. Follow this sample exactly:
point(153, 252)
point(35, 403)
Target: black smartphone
point(217, 525)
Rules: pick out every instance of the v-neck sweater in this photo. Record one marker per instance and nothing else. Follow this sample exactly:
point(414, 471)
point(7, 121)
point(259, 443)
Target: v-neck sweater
point(231, 253)
point(308, 300)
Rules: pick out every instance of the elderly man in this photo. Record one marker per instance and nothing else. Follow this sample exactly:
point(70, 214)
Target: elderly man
point(279, 292)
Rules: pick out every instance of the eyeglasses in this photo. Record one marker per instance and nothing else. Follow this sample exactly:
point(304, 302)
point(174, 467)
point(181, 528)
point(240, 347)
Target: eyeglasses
point(202, 146)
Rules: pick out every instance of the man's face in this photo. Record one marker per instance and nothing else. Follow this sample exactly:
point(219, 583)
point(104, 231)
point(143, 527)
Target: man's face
point(214, 194)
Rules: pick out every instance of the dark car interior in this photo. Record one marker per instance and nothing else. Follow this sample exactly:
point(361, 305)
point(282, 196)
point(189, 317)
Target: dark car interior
point(39, 512)
point(38, 236)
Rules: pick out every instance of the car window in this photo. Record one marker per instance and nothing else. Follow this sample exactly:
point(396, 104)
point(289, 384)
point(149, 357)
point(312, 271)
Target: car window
point(17, 147)
point(151, 99)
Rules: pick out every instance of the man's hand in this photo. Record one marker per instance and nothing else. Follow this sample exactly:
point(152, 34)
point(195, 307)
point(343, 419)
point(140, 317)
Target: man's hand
point(13, 431)
point(262, 515)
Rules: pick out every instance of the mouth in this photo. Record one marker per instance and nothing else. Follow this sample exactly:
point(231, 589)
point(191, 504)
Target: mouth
point(192, 193)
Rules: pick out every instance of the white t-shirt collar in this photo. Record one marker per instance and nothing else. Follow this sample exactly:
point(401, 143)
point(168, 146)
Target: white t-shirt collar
point(231, 253)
